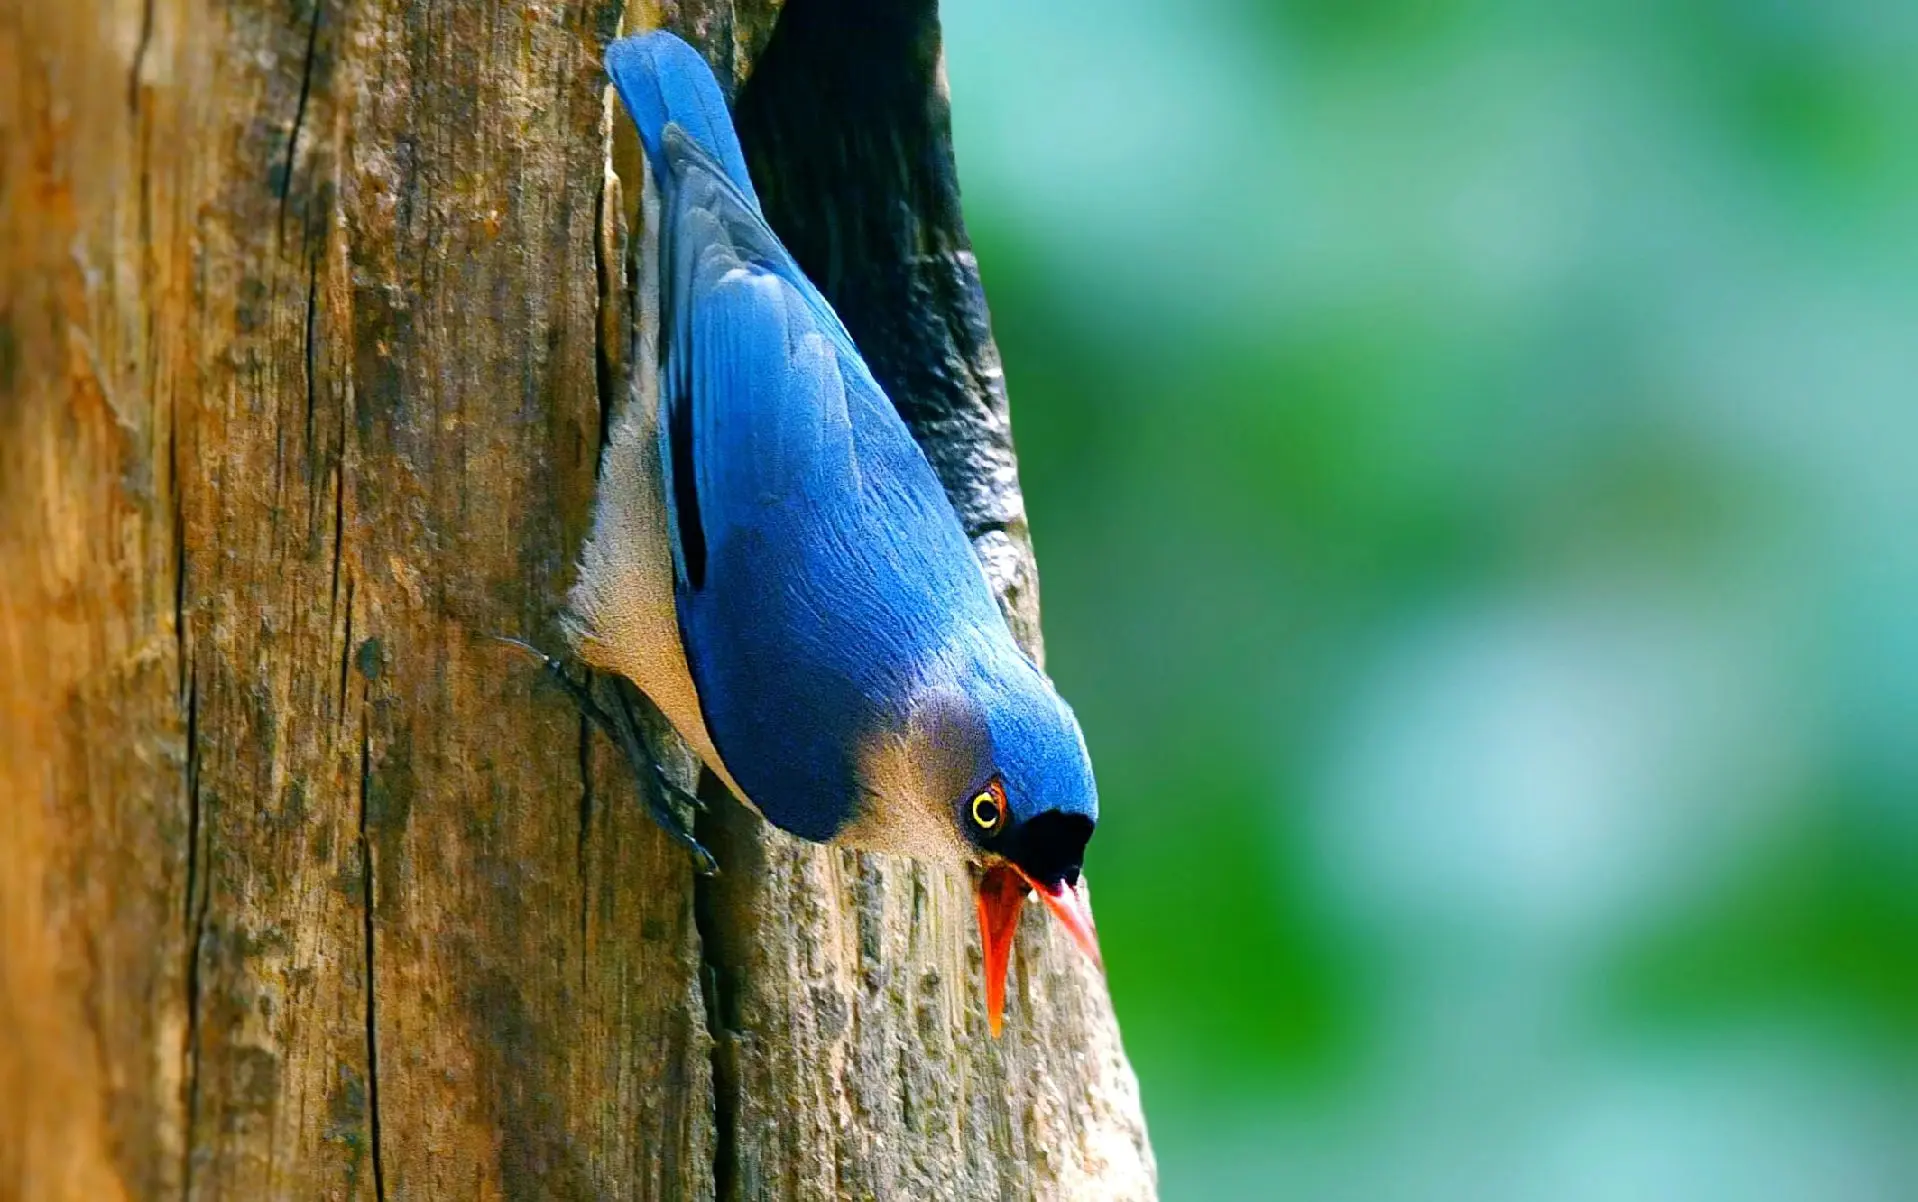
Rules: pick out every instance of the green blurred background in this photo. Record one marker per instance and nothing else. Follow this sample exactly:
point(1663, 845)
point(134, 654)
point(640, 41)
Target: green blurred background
point(1473, 454)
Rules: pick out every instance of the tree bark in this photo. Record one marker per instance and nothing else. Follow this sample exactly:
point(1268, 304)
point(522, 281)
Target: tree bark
point(311, 317)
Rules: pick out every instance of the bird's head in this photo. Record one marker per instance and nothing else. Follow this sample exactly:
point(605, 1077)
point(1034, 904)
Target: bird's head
point(1029, 821)
point(990, 768)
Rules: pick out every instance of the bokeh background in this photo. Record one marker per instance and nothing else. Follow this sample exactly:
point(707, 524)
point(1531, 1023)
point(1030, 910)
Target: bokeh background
point(1473, 453)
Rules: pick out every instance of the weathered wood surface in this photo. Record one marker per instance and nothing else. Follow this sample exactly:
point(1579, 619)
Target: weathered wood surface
point(309, 316)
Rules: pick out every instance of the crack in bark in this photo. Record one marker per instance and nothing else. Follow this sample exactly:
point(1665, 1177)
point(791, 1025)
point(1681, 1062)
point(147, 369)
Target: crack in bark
point(311, 348)
point(179, 555)
point(716, 992)
point(612, 281)
point(346, 649)
point(197, 893)
point(372, 1023)
point(300, 115)
point(187, 688)
point(299, 118)
point(585, 833)
point(140, 56)
point(339, 523)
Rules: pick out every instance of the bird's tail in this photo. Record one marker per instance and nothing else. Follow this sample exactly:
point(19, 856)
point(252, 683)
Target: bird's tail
point(663, 81)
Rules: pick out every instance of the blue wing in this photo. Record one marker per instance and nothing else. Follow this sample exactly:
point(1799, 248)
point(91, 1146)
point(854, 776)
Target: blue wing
point(663, 81)
point(820, 562)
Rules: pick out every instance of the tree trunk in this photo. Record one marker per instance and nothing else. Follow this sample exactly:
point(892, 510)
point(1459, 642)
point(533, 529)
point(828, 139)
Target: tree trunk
point(310, 318)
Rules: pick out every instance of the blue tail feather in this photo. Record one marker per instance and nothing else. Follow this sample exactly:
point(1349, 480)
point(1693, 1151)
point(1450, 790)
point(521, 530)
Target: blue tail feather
point(664, 81)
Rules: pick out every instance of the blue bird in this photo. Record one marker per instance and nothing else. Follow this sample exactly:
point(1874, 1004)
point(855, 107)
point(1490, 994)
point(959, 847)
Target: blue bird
point(775, 565)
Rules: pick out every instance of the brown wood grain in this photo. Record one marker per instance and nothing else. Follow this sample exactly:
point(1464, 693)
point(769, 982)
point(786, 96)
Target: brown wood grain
point(309, 313)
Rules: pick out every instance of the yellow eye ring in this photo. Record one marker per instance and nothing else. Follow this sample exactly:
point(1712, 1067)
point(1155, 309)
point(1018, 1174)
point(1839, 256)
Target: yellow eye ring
point(989, 808)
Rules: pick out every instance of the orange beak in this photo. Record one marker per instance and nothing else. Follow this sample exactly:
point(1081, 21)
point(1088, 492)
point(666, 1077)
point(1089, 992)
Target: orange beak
point(1002, 893)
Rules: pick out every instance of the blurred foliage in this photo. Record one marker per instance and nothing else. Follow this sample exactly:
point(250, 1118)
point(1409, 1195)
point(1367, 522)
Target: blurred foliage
point(1473, 453)
point(1825, 923)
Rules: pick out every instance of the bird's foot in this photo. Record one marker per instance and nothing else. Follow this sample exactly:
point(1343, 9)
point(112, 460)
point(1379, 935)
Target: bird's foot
point(622, 728)
point(665, 790)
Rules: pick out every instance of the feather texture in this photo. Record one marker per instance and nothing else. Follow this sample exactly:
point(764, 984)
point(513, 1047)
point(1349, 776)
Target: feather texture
point(852, 671)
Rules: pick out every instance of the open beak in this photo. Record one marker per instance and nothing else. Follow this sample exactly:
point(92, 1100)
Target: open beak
point(1002, 892)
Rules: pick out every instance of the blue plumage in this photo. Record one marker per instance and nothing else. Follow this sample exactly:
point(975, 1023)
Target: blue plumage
point(852, 668)
point(661, 79)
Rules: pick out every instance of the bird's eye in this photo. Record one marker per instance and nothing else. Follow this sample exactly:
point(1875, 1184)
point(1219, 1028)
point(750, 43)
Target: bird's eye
point(989, 808)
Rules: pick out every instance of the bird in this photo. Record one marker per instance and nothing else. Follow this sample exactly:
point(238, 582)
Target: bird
point(775, 565)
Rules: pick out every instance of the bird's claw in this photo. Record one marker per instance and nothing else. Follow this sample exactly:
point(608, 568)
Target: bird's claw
point(675, 827)
point(622, 729)
point(674, 789)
